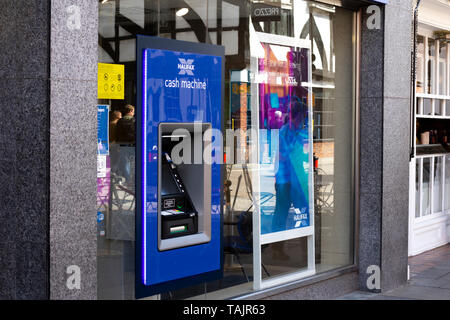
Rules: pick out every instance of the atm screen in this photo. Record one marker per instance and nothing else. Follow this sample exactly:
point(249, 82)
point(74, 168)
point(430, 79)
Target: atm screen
point(168, 185)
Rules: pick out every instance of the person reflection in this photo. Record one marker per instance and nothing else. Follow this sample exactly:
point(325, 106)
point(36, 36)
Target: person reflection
point(126, 137)
point(126, 127)
point(115, 116)
point(290, 174)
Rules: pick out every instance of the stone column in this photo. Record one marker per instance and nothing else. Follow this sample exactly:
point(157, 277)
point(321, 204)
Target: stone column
point(24, 149)
point(384, 144)
point(73, 146)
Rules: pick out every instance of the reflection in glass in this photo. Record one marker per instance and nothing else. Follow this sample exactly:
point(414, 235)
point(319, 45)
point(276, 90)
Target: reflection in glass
point(437, 185)
point(417, 188)
point(426, 186)
point(447, 183)
point(284, 138)
point(442, 80)
point(419, 104)
point(427, 109)
point(431, 75)
point(420, 68)
point(329, 30)
point(333, 104)
point(284, 257)
point(443, 68)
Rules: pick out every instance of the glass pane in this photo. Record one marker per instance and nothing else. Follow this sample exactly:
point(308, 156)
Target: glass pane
point(426, 186)
point(442, 77)
point(420, 71)
point(283, 257)
point(417, 188)
point(284, 138)
point(447, 183)
point(431, 75)
point(333, 104)
point(443, 69)
point(437, 185)
point(427, 107)
point(329, 32)
point(443, 49)
point(431, 47)
point(438, 107)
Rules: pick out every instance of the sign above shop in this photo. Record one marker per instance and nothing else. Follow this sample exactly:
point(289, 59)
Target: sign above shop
point(111, 81)
point(266, 12)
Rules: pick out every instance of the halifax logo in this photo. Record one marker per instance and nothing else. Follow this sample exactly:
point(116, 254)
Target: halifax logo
point(186, 66)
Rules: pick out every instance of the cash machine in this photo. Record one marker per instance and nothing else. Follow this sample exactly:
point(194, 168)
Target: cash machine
point(179, 184)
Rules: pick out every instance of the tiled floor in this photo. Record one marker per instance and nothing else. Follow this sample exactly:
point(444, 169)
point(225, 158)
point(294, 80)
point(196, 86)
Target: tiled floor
point(429, 279)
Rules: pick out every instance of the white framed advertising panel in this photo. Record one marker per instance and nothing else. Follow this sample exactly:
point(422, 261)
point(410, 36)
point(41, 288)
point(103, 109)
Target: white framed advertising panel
point(259, 239)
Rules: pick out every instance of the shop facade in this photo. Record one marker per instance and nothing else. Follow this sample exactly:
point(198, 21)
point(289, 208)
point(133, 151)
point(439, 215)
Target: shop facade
point(338, 72)
point(430, 171)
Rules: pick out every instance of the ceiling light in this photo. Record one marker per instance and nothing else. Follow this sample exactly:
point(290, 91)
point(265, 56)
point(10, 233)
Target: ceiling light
point(181, 12)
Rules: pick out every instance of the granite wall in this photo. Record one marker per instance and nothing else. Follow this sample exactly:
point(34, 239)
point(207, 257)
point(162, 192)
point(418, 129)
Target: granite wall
point(396, 143)
point(24, 149)
point(384, 145)
point(370, 146)
point(48, 65)
point(73, 147)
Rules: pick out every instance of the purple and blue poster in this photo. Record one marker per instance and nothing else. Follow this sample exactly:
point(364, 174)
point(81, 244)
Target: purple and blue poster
point(285, 138)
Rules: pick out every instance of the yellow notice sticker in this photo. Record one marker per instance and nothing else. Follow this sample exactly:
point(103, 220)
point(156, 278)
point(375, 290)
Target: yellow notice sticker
point(111, 81)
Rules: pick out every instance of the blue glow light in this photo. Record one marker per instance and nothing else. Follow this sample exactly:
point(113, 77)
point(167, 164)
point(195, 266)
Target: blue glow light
point(144, 171)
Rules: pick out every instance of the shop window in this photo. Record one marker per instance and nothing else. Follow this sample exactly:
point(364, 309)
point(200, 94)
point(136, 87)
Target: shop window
point(280, 71)
point(432, 69)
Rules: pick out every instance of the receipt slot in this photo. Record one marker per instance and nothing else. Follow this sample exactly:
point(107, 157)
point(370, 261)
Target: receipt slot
point(178, 187)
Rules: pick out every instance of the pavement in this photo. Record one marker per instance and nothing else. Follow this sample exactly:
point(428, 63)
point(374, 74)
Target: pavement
point(429, 279)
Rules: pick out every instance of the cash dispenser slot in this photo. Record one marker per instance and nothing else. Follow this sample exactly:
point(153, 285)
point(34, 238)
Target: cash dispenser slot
point(184, 191)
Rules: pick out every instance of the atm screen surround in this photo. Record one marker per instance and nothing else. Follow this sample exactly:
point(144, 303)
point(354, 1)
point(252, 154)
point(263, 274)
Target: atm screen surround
point(184, 205)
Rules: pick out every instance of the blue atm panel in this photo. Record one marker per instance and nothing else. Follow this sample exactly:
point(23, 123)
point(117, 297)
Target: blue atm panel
point(178, 217)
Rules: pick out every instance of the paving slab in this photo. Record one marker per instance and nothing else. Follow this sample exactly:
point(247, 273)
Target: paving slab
point(384, 297)
point(358, 295)
point(420, 293)
point(430, 279)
